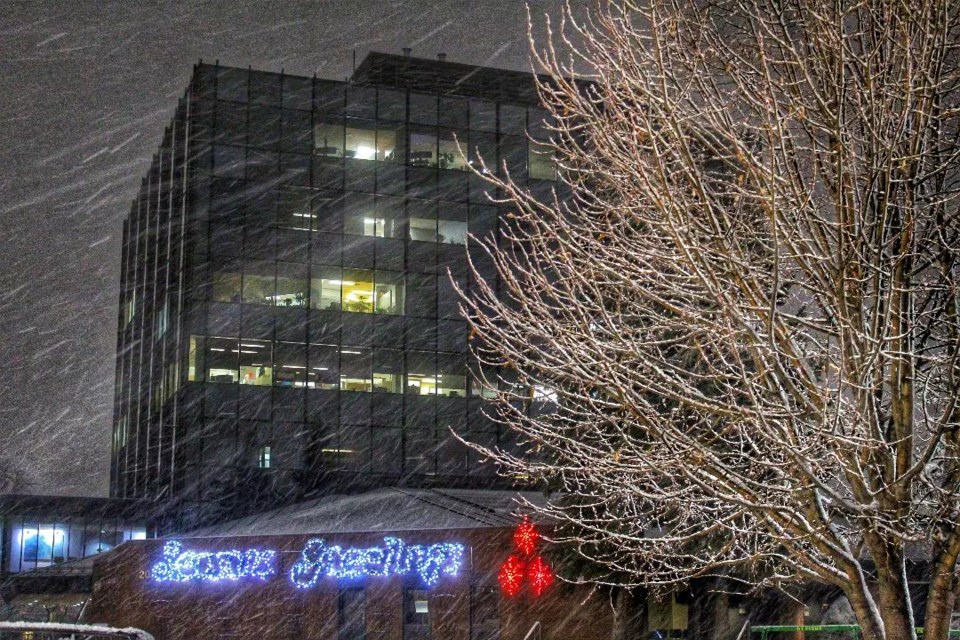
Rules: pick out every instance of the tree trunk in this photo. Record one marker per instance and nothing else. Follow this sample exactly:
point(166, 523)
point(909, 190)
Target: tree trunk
point(942, 595)
point(896, 610)
point(865, 609)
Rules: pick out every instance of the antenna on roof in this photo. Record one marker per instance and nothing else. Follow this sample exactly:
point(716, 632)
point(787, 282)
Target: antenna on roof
point(354, 60)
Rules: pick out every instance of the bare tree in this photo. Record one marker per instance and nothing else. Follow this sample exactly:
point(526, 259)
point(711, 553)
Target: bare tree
point(748, 310)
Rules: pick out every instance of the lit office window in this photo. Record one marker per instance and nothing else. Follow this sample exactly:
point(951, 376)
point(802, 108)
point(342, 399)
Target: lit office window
point(328, 139)
point(365, 142)
point(290, 365)
point(220, 358)
point(291, 285)
point(449, 156)
point(421, 373)
point(355, 373)
point(256, 362)
point(388, 293)
point(258, 286)
point(324, 367)
point(226, 287)
point(361, 144)
point(325, 289)
point(423, 149)
point(451, 380)
point(263, 459)
point(357, 288)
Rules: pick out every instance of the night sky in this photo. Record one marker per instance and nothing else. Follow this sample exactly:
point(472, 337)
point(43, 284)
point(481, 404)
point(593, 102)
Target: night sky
point(86, 89)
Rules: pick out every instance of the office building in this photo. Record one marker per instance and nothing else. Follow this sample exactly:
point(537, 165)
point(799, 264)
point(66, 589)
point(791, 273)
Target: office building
point(289, 324)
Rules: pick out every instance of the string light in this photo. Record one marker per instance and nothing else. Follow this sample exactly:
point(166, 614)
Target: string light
point(540, 575)
point(526, 564)
point(395, 558)
point(177, 565)
point(511, 575)
point(525, 537)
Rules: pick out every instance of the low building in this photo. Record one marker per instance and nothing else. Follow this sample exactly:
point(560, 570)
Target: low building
point(392, 564)
point(47, 547)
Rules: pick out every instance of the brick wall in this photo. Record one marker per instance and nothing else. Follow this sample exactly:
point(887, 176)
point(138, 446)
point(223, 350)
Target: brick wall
point(124, 595)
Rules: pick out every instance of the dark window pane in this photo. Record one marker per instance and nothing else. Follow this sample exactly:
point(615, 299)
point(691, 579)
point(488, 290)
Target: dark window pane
point(513, 119)
point(483, 115)
point(351, 617)
point(423, 108)
point(361, 102)
point(392, 105)
point(416, 614)
point(297, 93)
point(290, 365)
point(324, 372)
point(264, 88)
point(452, 113)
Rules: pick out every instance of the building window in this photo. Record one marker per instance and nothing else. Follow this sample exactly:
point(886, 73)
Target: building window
point(328, 139)
point(452, 231)
point(355, 374)
point(226, 287)
point(541, 161)
point(291, 285)
point(256, 362)
point(449, 156)
point(351, 618)
point(263, 459)
point(325, 290)
point(290, 365)
point(324, 371)
point(163, 321)
point(369, 143)
point(484, 613)
point(257, 287)
point(421, 373)
point(423, 149)
point(130, 309)
point(416, 614)
point(357, 292)
point(220, 358)
point(451, 380)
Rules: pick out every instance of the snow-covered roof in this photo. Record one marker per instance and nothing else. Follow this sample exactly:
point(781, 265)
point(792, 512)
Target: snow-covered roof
point(390, 509)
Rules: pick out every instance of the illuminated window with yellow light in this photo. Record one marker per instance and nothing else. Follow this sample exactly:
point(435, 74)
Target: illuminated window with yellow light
point(357, 290)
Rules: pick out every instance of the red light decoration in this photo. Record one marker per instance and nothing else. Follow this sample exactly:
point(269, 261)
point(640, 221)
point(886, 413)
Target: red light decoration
point(525, 537)
point(511, 575)
point(540, 575)
point(525, 565)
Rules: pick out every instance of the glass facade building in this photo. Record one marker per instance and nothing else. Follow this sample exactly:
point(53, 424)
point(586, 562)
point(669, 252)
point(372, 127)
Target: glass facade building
point(43, 531)
point(288, 320)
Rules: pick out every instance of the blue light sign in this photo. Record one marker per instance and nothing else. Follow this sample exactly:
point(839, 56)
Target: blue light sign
point(395, 558)
point(178, 565)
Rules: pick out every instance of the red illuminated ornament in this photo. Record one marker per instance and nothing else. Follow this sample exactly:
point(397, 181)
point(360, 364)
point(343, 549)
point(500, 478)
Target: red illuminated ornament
point(511, 575)
point(525, 564)
point(525, 537)
point(540, 575)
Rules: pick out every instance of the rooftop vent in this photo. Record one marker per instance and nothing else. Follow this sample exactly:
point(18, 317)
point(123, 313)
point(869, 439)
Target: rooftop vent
point(441, 57)
point(407, 51)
